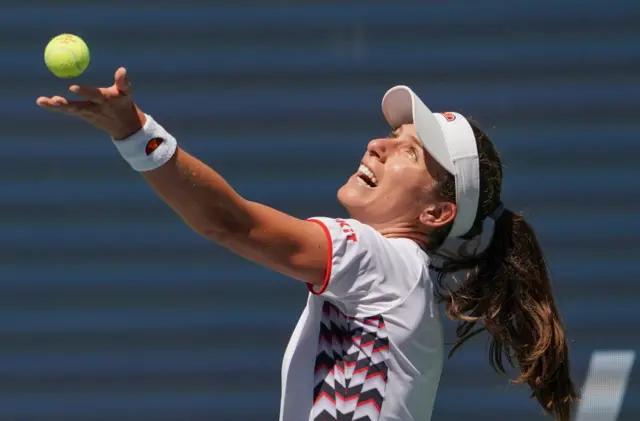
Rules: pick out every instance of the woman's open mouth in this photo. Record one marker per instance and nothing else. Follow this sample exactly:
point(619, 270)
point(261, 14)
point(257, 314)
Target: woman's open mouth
point(365, 175)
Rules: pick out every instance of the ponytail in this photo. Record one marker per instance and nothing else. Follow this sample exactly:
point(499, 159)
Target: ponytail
point(508, 294)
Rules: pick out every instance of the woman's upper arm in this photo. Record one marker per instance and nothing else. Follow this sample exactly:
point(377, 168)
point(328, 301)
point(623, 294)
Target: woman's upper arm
point(294, 247)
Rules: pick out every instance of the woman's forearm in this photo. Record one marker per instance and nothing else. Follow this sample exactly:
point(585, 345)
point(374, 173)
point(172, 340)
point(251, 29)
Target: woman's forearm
point(202, 198)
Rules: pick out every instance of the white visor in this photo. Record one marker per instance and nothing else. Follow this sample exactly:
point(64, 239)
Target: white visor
point(449, 139)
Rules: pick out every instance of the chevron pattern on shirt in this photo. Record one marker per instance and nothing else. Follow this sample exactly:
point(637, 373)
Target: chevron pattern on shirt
point(350, 370)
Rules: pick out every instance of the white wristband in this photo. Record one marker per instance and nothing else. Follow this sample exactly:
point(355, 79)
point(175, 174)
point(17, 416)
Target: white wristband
point(142, 151)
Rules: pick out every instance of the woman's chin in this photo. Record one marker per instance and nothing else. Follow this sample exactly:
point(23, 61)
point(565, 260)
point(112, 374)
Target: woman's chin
point(354, 200)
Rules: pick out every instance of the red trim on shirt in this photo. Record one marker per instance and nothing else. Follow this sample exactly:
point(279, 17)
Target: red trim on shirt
point(329, 266)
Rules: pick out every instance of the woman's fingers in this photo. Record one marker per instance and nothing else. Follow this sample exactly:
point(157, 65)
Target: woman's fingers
point(52, 102)
point(110, 109)
point(58, 103)
point(122, 82)
point(89, 93)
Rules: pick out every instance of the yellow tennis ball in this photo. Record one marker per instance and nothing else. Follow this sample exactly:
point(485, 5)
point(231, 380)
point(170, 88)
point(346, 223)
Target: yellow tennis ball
point(67, 56)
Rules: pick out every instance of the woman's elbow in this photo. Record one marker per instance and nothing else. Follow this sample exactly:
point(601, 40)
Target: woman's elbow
point(220, 225)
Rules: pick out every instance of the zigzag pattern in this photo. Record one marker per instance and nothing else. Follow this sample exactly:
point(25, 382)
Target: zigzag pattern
point(350, 370)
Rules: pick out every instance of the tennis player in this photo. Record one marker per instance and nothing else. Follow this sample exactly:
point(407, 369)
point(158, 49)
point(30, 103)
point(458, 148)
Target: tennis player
point(426, 225)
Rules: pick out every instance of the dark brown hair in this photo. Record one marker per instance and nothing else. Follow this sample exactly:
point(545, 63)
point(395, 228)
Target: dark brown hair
point(508, 293)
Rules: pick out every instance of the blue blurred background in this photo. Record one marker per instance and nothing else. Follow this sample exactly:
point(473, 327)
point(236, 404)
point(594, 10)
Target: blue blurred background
point(112, 309)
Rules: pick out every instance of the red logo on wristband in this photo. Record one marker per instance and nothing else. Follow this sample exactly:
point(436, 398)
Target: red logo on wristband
point(152, 145)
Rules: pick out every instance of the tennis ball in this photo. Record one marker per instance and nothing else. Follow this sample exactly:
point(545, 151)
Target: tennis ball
point(67, 56)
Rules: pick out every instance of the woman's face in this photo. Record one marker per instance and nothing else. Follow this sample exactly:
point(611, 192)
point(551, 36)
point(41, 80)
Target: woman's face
point(395, 183)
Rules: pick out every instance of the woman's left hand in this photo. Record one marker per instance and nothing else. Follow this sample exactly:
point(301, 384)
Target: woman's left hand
point(109, 109)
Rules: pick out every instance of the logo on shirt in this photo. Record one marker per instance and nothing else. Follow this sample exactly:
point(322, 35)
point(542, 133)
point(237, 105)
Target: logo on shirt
point(346, 228)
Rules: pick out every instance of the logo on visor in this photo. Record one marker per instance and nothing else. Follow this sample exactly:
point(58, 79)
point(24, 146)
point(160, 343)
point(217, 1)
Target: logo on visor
point(449, 116)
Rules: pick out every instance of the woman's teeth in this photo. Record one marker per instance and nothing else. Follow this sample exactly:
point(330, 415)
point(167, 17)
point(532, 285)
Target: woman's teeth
point(367, 176)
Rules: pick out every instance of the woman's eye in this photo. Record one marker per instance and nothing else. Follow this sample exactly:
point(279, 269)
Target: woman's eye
point(412, 154)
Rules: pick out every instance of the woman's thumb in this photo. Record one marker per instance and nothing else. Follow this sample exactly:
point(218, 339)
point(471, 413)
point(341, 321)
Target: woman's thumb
point(122, 81)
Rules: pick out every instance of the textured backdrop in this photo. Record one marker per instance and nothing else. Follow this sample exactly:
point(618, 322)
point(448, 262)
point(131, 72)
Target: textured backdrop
point(112, 309)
